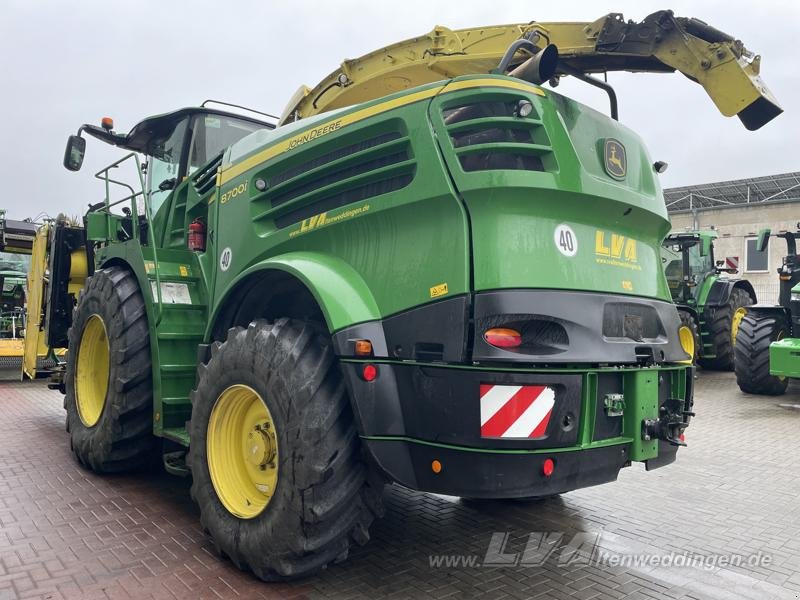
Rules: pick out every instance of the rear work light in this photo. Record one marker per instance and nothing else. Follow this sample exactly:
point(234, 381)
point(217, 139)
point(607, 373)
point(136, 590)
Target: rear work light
point(500, 337)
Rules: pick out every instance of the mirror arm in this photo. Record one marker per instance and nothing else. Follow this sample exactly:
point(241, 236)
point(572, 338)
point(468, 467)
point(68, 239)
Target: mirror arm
point(109, 137)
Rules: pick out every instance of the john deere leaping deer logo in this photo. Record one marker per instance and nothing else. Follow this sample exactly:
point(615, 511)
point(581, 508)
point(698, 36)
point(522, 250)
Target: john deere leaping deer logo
point(615, 160)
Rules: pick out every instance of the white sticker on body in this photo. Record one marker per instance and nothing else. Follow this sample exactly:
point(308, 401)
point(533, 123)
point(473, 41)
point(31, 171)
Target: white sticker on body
point(172, 293)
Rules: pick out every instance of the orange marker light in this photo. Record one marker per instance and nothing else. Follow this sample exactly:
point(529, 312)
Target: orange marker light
point(436, 466)
point(363, 348)
point(500, 337)
point(107, 123)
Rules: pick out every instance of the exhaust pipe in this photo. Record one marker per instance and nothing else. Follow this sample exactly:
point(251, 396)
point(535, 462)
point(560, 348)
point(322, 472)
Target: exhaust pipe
point(538, 68)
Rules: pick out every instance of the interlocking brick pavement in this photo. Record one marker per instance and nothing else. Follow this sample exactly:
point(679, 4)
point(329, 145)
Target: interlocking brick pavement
point(67, 533)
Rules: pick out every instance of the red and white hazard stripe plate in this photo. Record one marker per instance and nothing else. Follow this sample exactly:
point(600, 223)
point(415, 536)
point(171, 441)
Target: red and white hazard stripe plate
point(515, 411)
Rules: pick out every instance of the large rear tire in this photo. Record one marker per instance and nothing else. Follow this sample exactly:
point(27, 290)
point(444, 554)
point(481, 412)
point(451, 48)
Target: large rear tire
point(752, 355)
point(275, 456)
point(721, 324)
point(109, 389)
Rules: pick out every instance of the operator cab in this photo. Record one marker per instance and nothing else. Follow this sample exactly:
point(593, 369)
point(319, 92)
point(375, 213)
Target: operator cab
point(686, 265)
point(175, 144)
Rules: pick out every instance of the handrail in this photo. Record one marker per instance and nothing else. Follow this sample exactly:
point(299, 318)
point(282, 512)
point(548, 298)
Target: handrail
point(103, 175)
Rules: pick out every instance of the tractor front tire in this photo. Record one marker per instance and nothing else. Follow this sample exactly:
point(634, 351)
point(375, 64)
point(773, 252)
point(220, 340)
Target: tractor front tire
point(720, 325)
point(752, 355)
point(275, 456)
point(108, 385)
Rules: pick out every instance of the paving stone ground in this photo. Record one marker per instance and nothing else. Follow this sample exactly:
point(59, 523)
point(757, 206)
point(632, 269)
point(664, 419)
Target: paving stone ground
point(735, 491)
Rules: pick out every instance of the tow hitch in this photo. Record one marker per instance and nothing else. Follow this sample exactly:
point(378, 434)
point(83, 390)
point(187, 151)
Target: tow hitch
point(675, 415)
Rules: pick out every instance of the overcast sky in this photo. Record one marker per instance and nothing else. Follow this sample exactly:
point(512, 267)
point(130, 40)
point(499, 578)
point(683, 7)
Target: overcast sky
point(68, 63)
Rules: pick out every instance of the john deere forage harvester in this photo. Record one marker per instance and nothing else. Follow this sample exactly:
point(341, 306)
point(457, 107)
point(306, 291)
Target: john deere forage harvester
point(434, 272)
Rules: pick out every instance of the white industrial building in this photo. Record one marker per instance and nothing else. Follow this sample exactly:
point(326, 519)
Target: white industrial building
point(737, 210)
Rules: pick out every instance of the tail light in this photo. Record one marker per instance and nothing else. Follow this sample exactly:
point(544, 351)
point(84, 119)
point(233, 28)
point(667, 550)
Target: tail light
point(500, 337)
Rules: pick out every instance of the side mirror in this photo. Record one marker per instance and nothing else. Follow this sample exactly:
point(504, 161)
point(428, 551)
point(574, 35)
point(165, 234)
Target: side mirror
point(763, 239)
point(73, 155)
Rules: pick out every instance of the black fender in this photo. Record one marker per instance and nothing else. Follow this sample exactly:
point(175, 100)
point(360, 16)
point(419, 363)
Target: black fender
point(766, 310)
point(722, 289)
point(691, 310)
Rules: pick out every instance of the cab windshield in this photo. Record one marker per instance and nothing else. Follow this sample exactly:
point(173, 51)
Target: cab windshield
point(699, 264)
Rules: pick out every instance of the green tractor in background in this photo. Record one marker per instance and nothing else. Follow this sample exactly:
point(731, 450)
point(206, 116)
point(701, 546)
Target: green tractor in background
point(767, 347)
point(711, 307)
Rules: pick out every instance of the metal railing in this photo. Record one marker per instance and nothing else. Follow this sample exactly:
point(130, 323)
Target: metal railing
point(103, 175)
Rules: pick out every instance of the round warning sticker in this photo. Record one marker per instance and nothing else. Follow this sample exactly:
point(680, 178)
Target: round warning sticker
point(566, 241)
point(225, 259)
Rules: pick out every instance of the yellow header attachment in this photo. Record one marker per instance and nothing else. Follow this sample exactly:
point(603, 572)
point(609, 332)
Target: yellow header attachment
point(660, 43)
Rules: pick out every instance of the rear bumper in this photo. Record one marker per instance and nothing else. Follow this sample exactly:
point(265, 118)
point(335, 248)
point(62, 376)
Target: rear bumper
point(474, 474)
point(412, 415)
point(559, 327)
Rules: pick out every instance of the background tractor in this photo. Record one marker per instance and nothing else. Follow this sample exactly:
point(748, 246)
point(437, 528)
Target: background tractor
point(451, 283)
point(26, 262)
point(767, 347)
point(711, 307)
point(16, 243)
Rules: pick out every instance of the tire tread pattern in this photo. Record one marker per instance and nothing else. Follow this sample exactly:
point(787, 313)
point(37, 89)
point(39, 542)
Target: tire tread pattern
point(326, 497)
point(718, 322)
point(122, 440)
point(755, 335)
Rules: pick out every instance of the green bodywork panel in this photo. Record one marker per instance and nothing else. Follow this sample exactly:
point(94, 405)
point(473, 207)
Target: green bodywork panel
point(784, 358)
point(506, 219)
point(419, 225)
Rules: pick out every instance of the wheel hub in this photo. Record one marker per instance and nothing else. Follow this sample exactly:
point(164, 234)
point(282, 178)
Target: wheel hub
point(262, 447)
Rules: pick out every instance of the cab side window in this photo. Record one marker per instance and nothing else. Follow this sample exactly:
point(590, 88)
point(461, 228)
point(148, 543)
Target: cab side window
point(164, 167)
point(213, 133)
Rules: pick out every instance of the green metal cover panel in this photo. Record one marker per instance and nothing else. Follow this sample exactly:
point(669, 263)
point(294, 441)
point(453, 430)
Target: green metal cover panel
point(392, 250)
point(413, 243)
point(784, 358)
point(618, 223)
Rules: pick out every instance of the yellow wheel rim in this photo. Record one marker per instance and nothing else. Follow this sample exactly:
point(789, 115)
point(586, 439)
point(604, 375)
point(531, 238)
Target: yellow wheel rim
point(686, 339)
point(738, 315)
point(91, 371)
point(242, 449)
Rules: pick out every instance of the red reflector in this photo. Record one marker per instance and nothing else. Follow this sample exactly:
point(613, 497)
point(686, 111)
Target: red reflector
point(548, 467)
point(369, 372)
point(683, 437)
point(500, 337)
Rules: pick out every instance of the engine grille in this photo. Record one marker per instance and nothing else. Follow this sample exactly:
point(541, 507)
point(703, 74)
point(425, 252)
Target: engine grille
point(486, 135)
point(362, 165)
